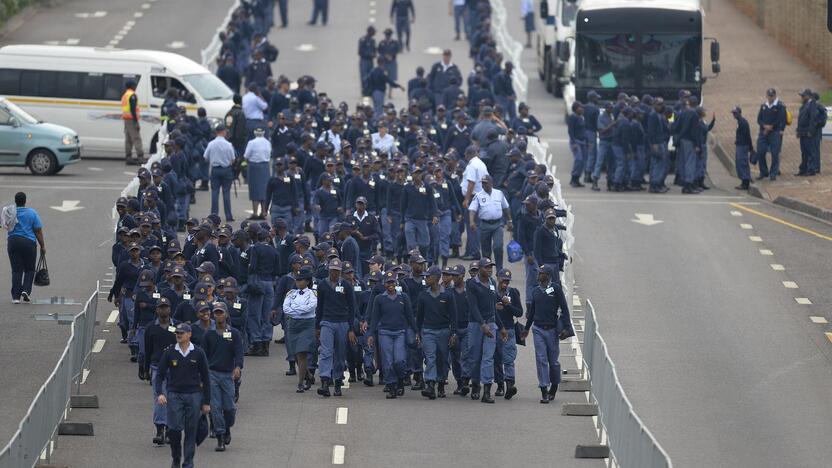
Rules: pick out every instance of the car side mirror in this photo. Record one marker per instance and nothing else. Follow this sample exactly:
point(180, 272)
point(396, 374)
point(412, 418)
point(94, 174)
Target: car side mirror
point(14, 122)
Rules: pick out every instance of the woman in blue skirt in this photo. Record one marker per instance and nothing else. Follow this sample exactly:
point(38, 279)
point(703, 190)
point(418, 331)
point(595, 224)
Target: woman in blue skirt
point(299, 308)
point(258, 154)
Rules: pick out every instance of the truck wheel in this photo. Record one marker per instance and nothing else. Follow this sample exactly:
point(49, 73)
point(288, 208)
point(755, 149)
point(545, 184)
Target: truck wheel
point(42, 162)
point(547, 66)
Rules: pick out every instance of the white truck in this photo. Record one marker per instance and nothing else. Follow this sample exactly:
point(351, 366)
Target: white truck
point(555, 25)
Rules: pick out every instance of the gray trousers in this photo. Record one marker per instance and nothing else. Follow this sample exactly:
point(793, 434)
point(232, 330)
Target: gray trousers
point(132, 139)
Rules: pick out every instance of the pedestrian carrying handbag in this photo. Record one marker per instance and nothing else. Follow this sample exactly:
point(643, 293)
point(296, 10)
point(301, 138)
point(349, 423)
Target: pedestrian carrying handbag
point(202, 429)
point(515, 251)
point(42, 274)
point(518, 334)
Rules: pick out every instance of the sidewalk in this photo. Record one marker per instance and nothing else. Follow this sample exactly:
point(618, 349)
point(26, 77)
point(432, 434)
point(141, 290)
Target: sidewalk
point(752, 62)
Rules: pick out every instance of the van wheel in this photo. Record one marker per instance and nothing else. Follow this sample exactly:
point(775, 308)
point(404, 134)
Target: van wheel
point(42, 162)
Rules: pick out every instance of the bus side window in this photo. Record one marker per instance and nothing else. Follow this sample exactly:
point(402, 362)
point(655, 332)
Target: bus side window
point(9, 82)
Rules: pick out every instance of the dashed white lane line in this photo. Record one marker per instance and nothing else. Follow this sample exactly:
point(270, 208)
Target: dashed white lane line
point(576, 301)
point(803, 300)
point(777, 267)
point(829, 336)
point(790, 285)
point(130, 173)
point(816, 319)
point(736, 213)
point(98, 346)
point(145, 6)
point(138, 14)
point(341, 415)
point(766, 252)
point(755, 238)
point(84, 375)
point(95, 169)
point(338, 454)
point(746, 226)
point(113, 316)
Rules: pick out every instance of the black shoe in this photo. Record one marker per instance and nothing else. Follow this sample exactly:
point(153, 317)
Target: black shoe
point(544, 396)
point(309, 381)
point(511, 390)
point(575, 183)
point(352, 376)
point(220, 444)
point(501, 390)
point(662, 189)
point(772, 177)
point(391, 392)
point(264, 349)
point(324, 390)
point(552, 391)
point(400, 387)
point(486, 394)
point(801, 174)
point(742, 186)
point(175, 464)
point(587, 177)
point(337, 391)
point(467, 258)
point(687, 190)
point(440, 391)
point(300, 388)
point(292, 370)
point(24, 297)
point(227, 436)
point(134, 355)
point(455, 252)
point(368, 380)
point(475, 391)
point(159, 439)
point(702, 185)
point(429, 391)
point(595, 187)
point(762, 176)
point(419, 383)
point(458, 390)
point(406, 381)
point(463, 391)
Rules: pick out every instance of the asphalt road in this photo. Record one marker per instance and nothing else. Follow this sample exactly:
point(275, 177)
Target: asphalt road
point(275, 426)
point(719, 359)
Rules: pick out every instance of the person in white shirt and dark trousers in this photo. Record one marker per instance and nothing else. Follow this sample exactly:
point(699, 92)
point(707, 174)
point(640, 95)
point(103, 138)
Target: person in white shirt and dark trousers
point(471, 184)
point(258, 154)
point(487, 211)
point(220, 155)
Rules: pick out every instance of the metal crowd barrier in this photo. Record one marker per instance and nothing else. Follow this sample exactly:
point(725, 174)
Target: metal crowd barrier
point(631, 443)
point(36, 435)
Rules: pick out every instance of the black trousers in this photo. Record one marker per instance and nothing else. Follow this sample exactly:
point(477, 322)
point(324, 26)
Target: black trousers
point(23, 254)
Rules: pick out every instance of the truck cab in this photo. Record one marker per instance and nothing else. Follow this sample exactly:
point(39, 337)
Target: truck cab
point(555, 25)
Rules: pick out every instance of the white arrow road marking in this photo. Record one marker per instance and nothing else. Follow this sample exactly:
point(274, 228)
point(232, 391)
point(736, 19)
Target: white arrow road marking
point(177, 45)
point(68, 205)
point(305, 48)
point(646, 219)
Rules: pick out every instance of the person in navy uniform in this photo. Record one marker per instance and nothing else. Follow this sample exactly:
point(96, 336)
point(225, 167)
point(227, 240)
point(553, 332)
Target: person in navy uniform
point(402, 13)
point(548, 319)
point(482, 329)
point(334, 316)
point(319, 8)
point(262, 269)
point(392, 315)
point(577, 142)
point(224, 350)
point(508, 308)
point(436, 322)
point(367, 52)
point(390, 48)
point(188, 392)
point(808, 126)
point(772, 121)
point(418, 207)
point(158, 336)
point(144, 312)
point(127, 275)
point(744, 148)
point(368, 231)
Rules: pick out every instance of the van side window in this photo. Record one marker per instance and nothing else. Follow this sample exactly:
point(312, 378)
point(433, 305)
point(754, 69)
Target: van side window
point(9, 81)
point(160, 85)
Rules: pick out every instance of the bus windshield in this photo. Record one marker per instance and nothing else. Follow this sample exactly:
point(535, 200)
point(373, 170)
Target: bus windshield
point(209, 87)
point(671, 60)
point(606, 60)
point(570, 12)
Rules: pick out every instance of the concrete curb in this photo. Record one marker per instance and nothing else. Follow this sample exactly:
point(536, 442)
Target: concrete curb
point(723, 157)
point(803, 207)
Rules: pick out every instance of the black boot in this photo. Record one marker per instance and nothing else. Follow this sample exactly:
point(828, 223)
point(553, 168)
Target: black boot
point(429, 392)
point(134, 354)
point(176, 447)
point(353, 373)
point(444, 262)
point(587, 177)
point(458, 390)
point(368, 380)
point(475, 391)
point(544, 396)
point(180, 226)
point(264, 350)
point(419, 383)
point(440, 392)
point(159, 439)
point(511, 390)
point(552, 391)
point(227, 436)
point(486, 394)
point(595, 187)
point(220, 443)
point(743, 185)
point(324, 390)
point(400, 388)
point(391, 392)
point(338, 384)
point(292, 370)
point(702, 184)
point(575, 182)
point(464, 389)
point(501, 389)
point(309, 381)
point(252, 351)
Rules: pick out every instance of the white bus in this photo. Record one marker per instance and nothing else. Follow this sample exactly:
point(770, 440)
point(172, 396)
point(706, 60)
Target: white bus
point(81, 88)
point(554, 24)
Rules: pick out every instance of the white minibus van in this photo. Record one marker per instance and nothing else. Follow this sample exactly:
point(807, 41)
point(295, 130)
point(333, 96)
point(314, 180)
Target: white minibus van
point(81, 88)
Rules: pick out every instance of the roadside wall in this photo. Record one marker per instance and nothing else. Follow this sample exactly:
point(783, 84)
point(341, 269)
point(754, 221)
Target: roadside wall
point(799, 25)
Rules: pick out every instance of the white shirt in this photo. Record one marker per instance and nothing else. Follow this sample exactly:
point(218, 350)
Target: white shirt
point(385, 144)
point(187, 351)
point(253, 106)
point(333, 138)
point(489, 206)
point(526, 7)
point(219, 152)
point(474, 172)
point(258, 150)
point(300, 304)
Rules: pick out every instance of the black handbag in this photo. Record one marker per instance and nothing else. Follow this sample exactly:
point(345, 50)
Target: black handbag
point(518, 334)
point(42, 275)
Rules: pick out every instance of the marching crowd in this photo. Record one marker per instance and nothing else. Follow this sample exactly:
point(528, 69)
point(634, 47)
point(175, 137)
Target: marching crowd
point(355, 215)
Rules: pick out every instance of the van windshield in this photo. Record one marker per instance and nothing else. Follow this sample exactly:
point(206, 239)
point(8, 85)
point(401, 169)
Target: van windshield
point(19, 113)
point(209, 87)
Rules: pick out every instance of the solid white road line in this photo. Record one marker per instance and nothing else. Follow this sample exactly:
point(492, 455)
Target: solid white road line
point(98, 346)
point(746, 226)
point(766, 252)
point(113, 316)
point(777, 267)
point(803, 300)
point(338, 454)
point(816, 319)
point(790, 285)
point(341, 415)
point(755, 238)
